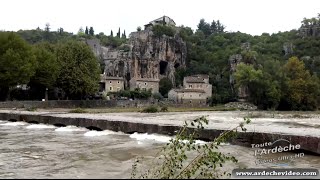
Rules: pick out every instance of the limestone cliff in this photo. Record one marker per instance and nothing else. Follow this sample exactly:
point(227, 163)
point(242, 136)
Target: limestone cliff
point(148, 56)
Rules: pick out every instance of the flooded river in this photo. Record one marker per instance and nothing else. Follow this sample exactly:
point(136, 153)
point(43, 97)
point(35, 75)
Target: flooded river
point(45, 151)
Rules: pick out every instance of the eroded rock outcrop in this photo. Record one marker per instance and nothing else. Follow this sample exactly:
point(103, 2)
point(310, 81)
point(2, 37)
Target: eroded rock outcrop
point(147, 56)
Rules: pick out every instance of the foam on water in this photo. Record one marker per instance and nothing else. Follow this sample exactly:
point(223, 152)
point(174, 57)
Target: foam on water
point(40, 126)
point(14, 124)
point(70, 129)
point(99, 133)
point(146, 136)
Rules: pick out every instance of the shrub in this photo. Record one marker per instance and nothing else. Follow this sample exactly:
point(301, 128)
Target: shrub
point(157, 96)
point(78, 110)
point(150, 109)
point(160, 30)
point(164, 109)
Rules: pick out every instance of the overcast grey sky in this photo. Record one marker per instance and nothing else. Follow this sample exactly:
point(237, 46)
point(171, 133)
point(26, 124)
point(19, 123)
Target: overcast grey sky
point(248, 16)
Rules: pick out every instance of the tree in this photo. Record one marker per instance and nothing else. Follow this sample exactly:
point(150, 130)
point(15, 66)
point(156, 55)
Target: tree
point(111, 34)
point(118, 34)
point(80, 32)
point(80, 73)
point(47, 28)
point(301, 89)
point(138, 28)
point(86, 31)
point(204, 27)
point(165, 85)
point(17, 62)
point(91, 31)
point(47, 69)
point(124, 35)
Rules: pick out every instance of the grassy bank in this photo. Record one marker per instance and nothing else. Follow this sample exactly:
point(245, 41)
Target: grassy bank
point(136, 109)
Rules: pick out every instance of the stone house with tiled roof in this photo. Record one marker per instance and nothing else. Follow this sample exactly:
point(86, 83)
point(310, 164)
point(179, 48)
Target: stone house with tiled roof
point(196, 90)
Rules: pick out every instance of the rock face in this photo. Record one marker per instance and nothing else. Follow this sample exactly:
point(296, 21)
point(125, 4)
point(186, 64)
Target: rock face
point(242, 92)
point(148, 56)
point(288, 48)
point(310, 30)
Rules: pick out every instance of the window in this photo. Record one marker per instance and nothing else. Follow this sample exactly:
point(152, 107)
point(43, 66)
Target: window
point(190, 101)
point(110, 88)
point(110, 82)
point(145, 83)
point(190, 86)
point(199, 95)
point(201, 86)
point(190, 95)
point(118, 82)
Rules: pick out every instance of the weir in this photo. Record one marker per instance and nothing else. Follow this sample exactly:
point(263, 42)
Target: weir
point(308, 143)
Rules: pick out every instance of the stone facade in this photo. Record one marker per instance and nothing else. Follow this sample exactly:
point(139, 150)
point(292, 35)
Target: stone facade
point(145, 84)
point(112, 84)
point(196, 90)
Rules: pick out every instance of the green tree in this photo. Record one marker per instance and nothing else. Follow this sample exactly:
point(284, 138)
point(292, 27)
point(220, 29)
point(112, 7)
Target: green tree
point(86, 31)
point(165, 85)
point(111, 33)
point(138, 28)
point(80, 73)
point(118, 34)
point(81, 32)
point(17, 62)
point(124, 35)
point(91, 31)
point(47, 68)
point(301, 89)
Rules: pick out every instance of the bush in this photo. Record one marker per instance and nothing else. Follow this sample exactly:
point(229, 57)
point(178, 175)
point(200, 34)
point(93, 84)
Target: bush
point(78, 110)
point(157, 96)
point(164, 109)
point(150, 109)
point(160, 30)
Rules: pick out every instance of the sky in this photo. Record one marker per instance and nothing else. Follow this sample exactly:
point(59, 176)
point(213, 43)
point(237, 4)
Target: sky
point(248, 16)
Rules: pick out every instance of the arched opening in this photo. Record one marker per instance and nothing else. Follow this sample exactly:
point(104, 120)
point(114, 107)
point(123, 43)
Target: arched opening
point(94, 128)
point(163, 67)
point(12, 120)
point(59, 125)
point(176, 65)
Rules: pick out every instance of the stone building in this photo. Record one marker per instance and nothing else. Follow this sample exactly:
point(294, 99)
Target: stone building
point(145, 84)
point(111, 84)
point(164, 20)
point(196, 90)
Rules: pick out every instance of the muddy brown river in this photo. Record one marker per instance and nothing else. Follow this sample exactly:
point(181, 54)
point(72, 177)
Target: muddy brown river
point(45, 151)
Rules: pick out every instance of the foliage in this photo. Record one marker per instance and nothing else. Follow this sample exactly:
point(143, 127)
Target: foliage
point(164, 109)
point(47, 69)
point(17, 61)
point(138, 28)
point(150, 109)
point(157, 96)
point(183, 158)
point(134, 94)
point(165, 85)
point(160, 30)
point(80, 74)
point(78, 110)
point(302, 89)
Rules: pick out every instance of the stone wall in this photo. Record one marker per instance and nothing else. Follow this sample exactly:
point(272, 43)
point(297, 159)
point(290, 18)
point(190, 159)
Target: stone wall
point(77, 103)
